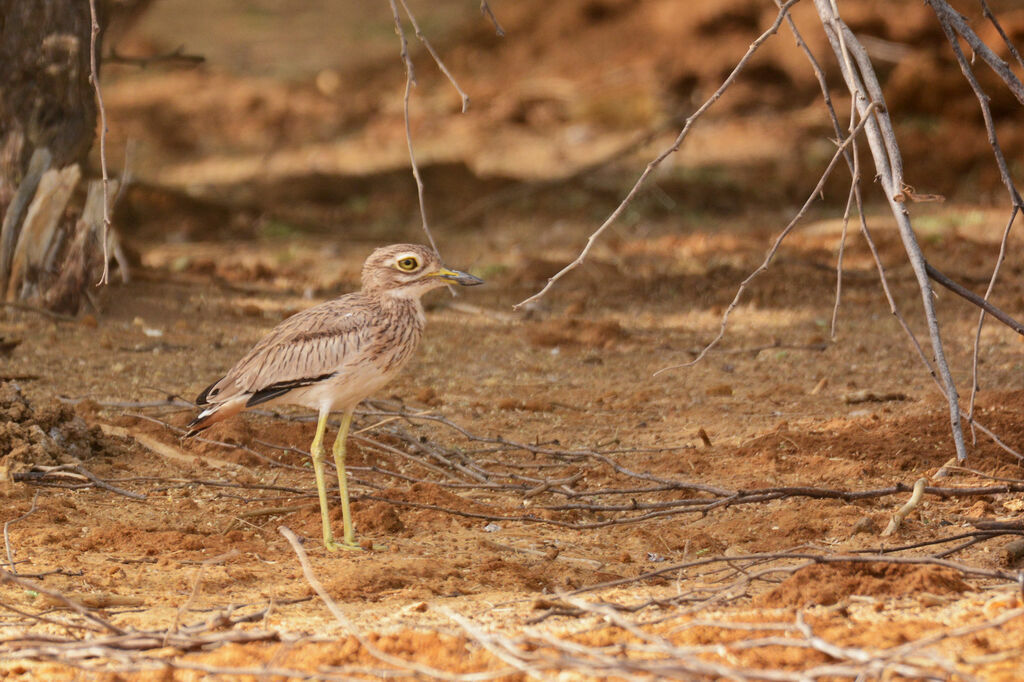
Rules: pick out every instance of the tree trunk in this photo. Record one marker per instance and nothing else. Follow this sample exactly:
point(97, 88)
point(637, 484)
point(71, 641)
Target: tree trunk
point(47, 124)
point(47, 98)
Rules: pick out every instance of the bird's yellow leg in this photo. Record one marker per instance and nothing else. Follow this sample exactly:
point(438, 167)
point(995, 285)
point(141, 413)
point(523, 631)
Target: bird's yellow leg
point(339, 462)
point(317, 451)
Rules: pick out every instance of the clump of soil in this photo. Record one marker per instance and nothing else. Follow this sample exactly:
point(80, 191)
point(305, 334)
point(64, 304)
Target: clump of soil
point(576, 332)
point(827, 584)
point(49, 434)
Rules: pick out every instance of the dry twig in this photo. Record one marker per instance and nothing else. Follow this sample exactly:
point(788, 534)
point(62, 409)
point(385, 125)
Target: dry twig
point(677, 143)
point(7, 541)
point(410, 81)
point(485, 9)
point(346, 624)
point(840, 151)
point(95, 79)
point(911, 505)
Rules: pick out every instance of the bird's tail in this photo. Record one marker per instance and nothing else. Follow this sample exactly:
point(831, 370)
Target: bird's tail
point(213, 414)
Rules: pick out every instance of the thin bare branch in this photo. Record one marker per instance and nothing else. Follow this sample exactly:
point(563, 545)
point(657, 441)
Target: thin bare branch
point(981, 302)
point(840, 151)
point(1006, 39)
point(485, 9)
point(950, 24)
point(865, 89)
point(7, 577)
point(95, 79)
point(7, 541)
point(975, 385)
point(433, 53)
point(954, 20)
point(740, 65)
point(410, 80)
point(347, 625)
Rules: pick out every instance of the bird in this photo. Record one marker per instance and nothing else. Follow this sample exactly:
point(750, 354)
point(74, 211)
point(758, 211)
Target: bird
point(334, 355)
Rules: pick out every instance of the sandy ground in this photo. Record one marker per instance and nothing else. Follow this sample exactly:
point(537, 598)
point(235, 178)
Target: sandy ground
point(535, 496)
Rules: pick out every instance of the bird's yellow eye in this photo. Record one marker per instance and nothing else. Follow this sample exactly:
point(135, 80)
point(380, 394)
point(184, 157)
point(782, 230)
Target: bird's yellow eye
point(408, 264)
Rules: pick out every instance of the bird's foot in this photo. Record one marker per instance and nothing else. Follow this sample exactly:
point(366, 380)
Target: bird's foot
point(332, 546)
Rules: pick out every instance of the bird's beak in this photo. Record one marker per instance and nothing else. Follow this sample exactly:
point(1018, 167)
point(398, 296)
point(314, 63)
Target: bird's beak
point(463, 278)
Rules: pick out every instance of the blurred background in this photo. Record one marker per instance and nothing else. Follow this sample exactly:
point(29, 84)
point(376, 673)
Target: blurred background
point(266, 145)
point(295, 119)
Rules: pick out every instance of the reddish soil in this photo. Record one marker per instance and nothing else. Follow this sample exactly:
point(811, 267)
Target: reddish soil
point(257, 197)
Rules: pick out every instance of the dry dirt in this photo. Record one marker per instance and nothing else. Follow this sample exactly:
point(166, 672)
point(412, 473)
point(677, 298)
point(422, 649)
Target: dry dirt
point(258, 197)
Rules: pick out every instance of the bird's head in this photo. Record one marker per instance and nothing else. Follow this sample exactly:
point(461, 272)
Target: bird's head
point(409, 270)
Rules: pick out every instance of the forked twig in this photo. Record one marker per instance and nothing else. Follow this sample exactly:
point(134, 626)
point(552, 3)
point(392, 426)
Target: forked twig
point(196, 583)
point(915, 499)
point(435, 55)
point(949, 17)
point(1004, 172)
point(410, 81)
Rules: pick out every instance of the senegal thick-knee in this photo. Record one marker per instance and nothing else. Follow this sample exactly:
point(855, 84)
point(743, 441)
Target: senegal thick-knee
point(334, 355)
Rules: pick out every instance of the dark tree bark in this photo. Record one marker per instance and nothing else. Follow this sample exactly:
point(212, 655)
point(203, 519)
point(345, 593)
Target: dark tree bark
point(47, 124)
point(46, 99)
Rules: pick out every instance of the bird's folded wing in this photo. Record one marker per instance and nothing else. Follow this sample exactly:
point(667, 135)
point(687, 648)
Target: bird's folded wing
point(304, 349)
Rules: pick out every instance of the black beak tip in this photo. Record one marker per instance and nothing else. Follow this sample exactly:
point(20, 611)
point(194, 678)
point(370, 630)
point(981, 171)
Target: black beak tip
point(463, 278)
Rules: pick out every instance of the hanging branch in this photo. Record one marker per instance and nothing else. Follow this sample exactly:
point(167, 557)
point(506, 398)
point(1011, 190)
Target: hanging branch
point(95, 78)
point(947, 21)
point(410, 81)
point(840, 151)
point(863, 85)
point(676, 144)
point(950, 18)
point(485, 9)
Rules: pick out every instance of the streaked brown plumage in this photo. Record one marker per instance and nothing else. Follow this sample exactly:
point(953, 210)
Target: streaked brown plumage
point(334, 355)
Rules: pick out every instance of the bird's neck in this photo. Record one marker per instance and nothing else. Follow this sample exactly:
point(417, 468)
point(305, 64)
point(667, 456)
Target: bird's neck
point(398, 302)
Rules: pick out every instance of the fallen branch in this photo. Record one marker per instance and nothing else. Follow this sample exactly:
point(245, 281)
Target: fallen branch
point(346, 624)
